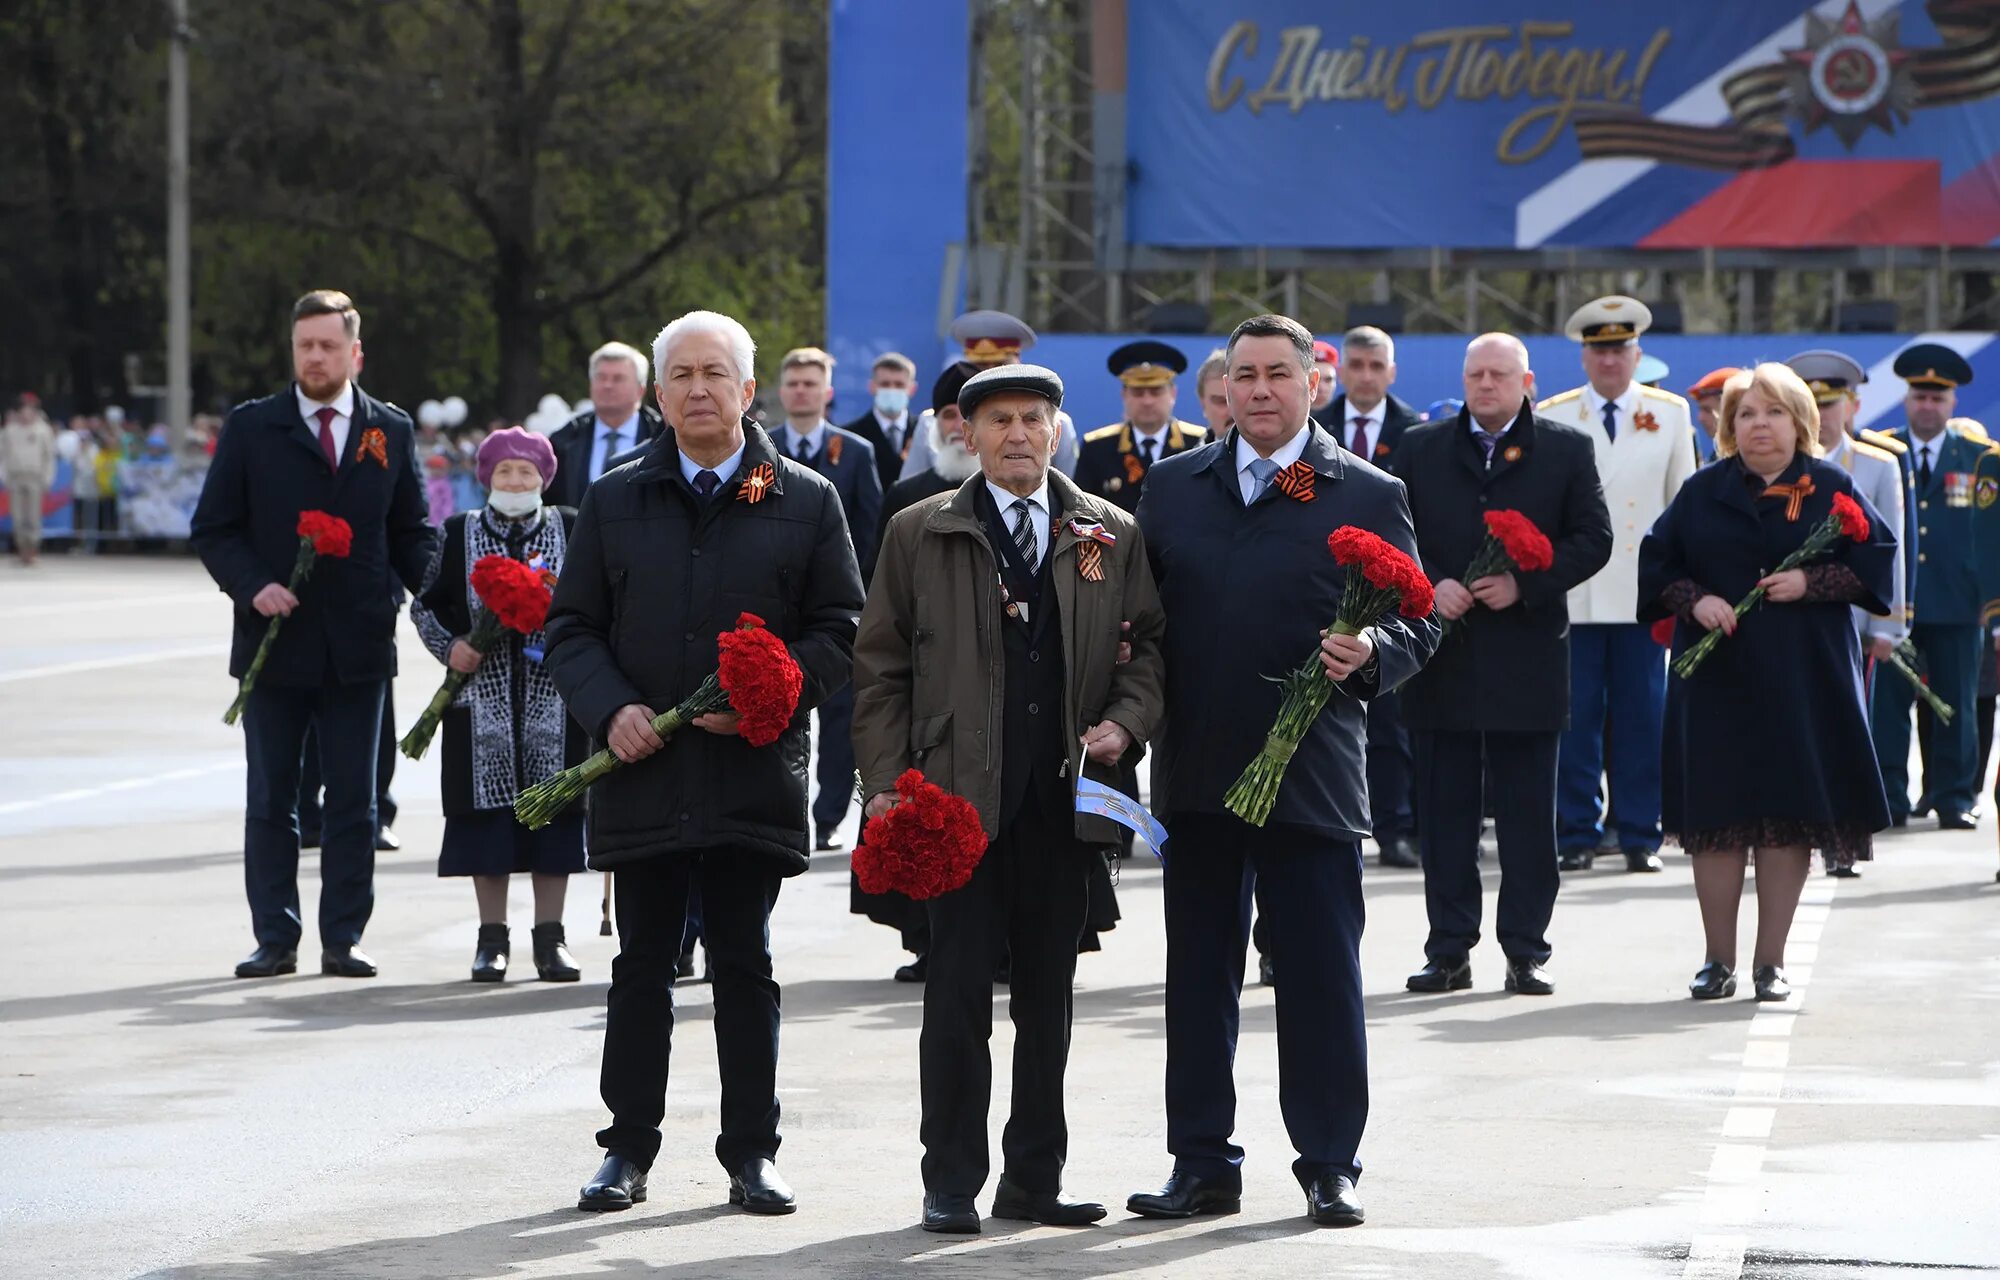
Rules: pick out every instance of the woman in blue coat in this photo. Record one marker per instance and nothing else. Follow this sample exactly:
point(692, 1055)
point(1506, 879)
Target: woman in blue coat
point(1766, 746)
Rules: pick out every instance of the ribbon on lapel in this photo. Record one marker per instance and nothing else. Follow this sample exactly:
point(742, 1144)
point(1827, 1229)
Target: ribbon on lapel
point(1296, 481)
point(1795, 496)
point(756, 484)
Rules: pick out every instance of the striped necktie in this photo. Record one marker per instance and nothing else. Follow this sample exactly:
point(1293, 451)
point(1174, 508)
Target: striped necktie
point(1024, 533)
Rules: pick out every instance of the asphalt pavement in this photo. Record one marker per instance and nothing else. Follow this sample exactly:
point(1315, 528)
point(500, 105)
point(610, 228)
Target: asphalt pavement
point(159, 1117)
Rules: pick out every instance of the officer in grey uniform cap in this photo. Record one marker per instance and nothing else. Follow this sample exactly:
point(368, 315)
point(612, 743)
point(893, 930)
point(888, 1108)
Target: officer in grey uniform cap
point(991, 339)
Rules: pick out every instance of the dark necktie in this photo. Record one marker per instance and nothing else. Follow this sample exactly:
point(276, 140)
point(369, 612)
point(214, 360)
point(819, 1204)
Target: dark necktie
point(326, 415)
point(1358, 443)
point(614, 444)
point(1147, 445)
point(705, 482)
point(1024, 531)
point(1488, 440)
point(802, 449)
point(895, 435)
point(1610, 419)
point(1923, 466)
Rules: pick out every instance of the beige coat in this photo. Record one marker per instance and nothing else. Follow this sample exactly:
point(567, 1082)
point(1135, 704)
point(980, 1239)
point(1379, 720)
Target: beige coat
point(1642, 471)
point(28, 454)
point(930, 667)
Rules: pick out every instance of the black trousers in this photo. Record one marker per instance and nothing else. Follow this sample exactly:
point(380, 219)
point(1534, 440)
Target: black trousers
point(1451, 773)
point(651, 899)
point(834, 770)
point(276, 723)
point(1029, 895)
point(1308, 891)
point(1389, 770)
point(311, 783)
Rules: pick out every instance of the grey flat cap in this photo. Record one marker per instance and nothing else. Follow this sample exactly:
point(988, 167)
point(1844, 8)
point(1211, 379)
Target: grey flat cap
point(1031, 378)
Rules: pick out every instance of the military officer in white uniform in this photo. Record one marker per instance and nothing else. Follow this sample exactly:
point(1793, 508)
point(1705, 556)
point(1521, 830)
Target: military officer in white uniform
point(1617, 673)
point(990, 338)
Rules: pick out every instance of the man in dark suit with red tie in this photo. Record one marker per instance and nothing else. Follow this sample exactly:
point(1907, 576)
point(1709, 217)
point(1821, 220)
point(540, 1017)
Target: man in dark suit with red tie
point(322, 444)
point(1369, 421)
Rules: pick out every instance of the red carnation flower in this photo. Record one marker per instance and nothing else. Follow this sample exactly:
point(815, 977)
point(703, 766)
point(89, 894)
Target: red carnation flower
point(928, 844)
point(512, 592)
point(1853, 520)
point(762, 679)
point(1663, 632)
point(330, 535)
point(1527, 546)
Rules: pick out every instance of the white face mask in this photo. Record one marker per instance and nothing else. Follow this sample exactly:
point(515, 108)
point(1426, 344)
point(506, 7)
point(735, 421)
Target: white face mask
point(515, 506)
point(890, 402)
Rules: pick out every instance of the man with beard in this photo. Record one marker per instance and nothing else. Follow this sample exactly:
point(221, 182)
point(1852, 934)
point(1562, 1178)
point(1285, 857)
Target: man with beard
point(321, 445)
point(992, 338)
point(669, 550)
point(952, 462)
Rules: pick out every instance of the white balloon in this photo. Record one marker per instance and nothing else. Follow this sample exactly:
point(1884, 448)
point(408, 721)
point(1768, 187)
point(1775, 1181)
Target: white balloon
point(552, 403)
point(430, 414)
point(454, 410)
point(544, 424)
point(66, 445)
point(114, 415)
point(582, 406)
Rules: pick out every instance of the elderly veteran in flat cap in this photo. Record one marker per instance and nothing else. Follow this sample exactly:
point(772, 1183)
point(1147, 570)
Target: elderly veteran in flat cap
point(1946, 598)
point(990, 339)
point(1618, 675)
point(987, 658)
point(1113, 461)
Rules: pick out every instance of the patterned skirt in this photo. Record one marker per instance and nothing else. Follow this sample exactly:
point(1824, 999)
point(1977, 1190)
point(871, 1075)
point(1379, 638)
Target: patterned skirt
point(1842, 844)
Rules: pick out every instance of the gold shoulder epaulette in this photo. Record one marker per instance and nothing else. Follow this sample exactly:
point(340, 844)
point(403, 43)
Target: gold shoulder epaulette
point(1867, 450)
point(1660, 393)
point(1883, 440)
point(1105, 433)
point(1194, 429)
point(1566, 396)
point(1976, 434)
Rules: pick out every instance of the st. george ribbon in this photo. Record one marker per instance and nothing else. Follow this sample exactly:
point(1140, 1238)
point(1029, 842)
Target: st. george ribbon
point(1109, 802)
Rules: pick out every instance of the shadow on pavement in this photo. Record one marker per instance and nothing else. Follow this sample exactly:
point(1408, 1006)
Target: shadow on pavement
point(544, 1242)
point(1601, 1020)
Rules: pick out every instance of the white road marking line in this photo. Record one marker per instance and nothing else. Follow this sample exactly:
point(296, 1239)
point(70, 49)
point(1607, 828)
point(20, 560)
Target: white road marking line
point(1729, 1199)
point(123, 784)
point(105, 664)
point(105, 605)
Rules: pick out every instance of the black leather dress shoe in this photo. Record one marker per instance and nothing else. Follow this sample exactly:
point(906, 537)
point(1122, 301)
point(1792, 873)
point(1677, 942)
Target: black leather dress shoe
point(268, 962)
point(1050, 1208)
point(950, 1215)
point(1921, 809)
point(1845, 873)
point(1397, 851)
point(915, 971)
point(1899, 820)
point(1525, 977)
point(758, 1188)
point(345, 962)
point(1452, 973)
point(489, 958)
point(827, 841)
point(1643, 860)
point(553, 962)
point(1331, 1202)
point(1713, 981)
point(1267, 970)
point(618, 1184)
point(1575, 859)
point(1949, 820)
point(1771, 984)
point(1186, 1195)
point(386, 841)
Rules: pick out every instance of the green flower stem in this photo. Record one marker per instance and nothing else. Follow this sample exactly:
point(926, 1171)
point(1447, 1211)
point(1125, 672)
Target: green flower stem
point(485, 634)
point(1939, 707)
point(1816, 544)
point(302, 567)
point(542, 803)
point(1307, 691)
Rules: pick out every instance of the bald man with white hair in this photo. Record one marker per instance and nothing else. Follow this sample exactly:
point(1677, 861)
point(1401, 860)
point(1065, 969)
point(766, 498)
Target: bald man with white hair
point(1493, 700)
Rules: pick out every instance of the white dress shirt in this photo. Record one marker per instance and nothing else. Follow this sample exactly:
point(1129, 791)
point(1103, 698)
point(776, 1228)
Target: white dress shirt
point(1628, 405)
point(1926, 451)
point(1038, 515)
point(602, 452)
point(723, 470)
point(1288, 453)
point(343, 415)
point(813, 440)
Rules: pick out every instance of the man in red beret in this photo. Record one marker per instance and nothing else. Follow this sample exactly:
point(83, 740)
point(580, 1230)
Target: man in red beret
point(1706, 396)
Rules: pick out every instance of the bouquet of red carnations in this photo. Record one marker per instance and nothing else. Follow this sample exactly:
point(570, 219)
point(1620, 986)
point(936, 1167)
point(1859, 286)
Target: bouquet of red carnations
point(1379, 578)
point(756, 678)
point(319, 535)
point(516, 597)
point(1846, 520)
point(928, 844)
point(1512, 542)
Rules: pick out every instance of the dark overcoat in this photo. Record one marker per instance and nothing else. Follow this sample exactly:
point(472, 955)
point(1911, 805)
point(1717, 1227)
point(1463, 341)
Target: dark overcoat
point(573, 442)
point(1502, 670)
point(1774, 723)
point(654, 575)
point(1247, 591)
point(268, 468)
